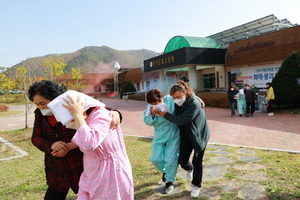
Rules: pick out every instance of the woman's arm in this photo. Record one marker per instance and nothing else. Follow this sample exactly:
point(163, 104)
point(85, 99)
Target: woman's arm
point(37, 138)
point(190, 112)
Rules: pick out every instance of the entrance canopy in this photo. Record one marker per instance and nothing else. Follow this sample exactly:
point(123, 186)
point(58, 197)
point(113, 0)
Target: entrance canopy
point(178, 42)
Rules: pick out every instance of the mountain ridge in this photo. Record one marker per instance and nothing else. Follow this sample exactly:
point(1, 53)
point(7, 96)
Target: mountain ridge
point(93, 59)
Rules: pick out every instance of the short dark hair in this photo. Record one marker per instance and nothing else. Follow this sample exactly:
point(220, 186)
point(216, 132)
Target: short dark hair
point(154, 96)
point(47, 89)
point(268, 83)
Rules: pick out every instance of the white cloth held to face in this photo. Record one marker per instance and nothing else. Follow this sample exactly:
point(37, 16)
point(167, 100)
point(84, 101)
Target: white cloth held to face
point(62, 114)
point(162, 107)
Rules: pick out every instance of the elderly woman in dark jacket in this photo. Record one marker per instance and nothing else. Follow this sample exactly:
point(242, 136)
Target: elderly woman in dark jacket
point(194, 132)
point(63, 159)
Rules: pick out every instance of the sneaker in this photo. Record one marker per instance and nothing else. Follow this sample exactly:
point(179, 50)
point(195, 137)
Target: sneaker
point(270, 114)
point(189, 175)
point(163, 177)
point(169, 188)
point(241, 115)
point(195, 191)
point(251, 114)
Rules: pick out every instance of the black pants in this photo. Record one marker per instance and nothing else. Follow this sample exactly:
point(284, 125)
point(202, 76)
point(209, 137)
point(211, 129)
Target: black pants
point(250, 105)
point(270, 107)
point(186, 149)
point(53, 194)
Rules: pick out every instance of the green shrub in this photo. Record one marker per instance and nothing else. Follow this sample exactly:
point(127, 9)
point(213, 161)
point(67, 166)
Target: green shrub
point(3, 108)
point(285, 83)
point(214, 99)
point(127, 87)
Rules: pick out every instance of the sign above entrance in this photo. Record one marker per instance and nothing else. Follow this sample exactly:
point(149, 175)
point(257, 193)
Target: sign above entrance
point(185, 56)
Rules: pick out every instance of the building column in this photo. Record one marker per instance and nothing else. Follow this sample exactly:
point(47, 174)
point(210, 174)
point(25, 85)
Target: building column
point(162, 86)
point(193, 76)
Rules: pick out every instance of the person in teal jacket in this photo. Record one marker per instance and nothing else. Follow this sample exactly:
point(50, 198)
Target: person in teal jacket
point(166, 140)
point(241, 100)
point(194, 132)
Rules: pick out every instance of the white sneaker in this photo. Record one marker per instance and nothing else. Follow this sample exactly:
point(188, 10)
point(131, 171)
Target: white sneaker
point(270, 114)
point(195, 191)
point(189, 175)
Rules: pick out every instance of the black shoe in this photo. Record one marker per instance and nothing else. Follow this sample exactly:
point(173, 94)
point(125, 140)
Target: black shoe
point(163, 177)
point(251, 114)
point(232, 115)
point(241, 115)
point(169, 188)
point(247, 115)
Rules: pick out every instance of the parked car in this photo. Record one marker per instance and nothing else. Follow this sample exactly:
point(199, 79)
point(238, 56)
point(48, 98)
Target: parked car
point(1, 92)
point(15, 92)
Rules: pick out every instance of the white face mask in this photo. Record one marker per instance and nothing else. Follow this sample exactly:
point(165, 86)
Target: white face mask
point(231, 89)
point(247, 88)
point(46, 112)
point(71, 125)
point(179, 102)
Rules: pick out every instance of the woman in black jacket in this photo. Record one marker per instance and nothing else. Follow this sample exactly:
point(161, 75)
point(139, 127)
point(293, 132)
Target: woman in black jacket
point(231, 98)
point(194, 132)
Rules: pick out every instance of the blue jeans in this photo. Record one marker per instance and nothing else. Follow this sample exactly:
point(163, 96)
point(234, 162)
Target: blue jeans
point(232, 106)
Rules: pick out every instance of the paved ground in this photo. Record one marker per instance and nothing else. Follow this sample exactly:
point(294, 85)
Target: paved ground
point(278, 132)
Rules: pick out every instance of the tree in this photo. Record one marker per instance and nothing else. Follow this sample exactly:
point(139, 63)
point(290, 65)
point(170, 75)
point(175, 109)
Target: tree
point(75, 82)
point(286, 82)
point(127, 87)
point(54, 67)
point(6, 84)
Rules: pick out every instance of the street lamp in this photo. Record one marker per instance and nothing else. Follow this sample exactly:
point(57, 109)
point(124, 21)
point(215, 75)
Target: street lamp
point(116, 81)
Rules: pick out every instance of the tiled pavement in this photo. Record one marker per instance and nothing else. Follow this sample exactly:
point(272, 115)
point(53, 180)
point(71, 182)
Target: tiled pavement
point(278, 132)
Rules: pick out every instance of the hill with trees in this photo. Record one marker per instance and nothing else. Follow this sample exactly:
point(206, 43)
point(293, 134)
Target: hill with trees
point(93, 59)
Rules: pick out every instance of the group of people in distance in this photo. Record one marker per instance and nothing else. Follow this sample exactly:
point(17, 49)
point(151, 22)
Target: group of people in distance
point(246, 99)
point(84, 148)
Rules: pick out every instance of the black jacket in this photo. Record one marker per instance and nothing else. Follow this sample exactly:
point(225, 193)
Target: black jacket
point(192, 123)
point(231, 94)
point(250, 95)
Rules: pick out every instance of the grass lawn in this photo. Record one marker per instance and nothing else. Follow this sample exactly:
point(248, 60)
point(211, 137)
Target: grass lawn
point(24, 179)
point(8, 113)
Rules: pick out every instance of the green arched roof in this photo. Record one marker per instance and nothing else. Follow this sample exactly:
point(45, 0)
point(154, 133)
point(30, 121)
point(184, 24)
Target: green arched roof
point(178, 42)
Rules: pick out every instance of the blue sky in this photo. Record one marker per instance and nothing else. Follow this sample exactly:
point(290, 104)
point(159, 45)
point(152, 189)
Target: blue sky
point(31, 28)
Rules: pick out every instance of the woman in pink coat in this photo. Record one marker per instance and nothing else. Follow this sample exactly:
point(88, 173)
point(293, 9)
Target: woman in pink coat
point(107, 171)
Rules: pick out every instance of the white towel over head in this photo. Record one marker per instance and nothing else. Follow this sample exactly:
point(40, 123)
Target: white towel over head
point(62, 114)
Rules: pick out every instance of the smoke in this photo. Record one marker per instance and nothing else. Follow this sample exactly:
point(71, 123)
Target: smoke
point(166, 85)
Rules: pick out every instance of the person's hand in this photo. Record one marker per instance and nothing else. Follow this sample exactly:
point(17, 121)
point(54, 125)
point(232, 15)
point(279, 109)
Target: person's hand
point(74, 107)
point(115, 120)
point(60, 145)
point(160, 113)
point(60, 153)
point(153, 110)
point(202, 104)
